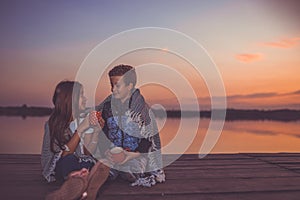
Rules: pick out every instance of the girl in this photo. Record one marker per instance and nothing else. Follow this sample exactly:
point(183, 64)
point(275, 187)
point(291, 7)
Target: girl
point(64, 157)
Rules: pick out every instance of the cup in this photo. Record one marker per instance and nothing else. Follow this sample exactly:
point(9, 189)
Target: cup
point(117, 154)
point(95, 117)
point(99, 115)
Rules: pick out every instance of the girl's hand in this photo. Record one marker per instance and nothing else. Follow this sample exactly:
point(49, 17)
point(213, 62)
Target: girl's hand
point(85, 124)
point(80, 173)
point(101, 122)
point(95, 118)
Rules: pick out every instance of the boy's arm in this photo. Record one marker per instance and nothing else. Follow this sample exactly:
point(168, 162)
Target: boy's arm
point(130, 156)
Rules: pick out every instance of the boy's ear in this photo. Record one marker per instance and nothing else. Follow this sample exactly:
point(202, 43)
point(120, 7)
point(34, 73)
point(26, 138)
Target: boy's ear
point(130, 86)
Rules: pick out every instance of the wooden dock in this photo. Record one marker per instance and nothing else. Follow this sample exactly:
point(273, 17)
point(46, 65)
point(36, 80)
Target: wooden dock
point(217, 176)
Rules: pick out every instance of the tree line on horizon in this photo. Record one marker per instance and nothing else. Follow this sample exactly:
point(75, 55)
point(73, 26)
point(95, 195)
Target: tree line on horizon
point(231, 114)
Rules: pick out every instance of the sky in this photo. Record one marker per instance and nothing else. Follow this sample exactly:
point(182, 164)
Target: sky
point(255, 45)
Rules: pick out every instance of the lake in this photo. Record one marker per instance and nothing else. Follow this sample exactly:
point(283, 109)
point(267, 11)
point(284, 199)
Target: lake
point(24, 136)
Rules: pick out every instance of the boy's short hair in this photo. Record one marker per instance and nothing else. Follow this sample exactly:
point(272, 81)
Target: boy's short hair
point(127, 71)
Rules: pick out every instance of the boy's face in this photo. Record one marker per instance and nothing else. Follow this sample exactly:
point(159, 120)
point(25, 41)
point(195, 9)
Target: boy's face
point(119, 89)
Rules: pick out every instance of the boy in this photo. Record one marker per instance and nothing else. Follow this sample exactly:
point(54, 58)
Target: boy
point(130, 124)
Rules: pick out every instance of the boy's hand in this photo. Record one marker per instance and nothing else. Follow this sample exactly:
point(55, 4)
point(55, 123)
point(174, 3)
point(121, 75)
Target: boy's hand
point(129, 156)
point(108, 156)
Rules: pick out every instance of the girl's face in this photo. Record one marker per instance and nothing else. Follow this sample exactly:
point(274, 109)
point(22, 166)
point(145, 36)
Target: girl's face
point(82, 100)
point(119, 89)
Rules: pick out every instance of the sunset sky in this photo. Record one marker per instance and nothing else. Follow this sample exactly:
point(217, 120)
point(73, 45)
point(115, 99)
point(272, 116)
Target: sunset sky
point(254, 43)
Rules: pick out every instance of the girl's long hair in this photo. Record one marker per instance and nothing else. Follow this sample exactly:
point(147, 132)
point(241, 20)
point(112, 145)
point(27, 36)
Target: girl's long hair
point(66, 108)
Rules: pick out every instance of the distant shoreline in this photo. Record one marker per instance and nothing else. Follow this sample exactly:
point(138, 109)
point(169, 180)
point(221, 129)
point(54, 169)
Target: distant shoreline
point(237, 114)
point(231, 114)
point(25, 111)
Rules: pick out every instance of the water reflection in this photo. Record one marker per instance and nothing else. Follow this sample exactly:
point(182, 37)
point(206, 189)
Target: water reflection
point(241, 136)
point(25, 136)
point(21, 136)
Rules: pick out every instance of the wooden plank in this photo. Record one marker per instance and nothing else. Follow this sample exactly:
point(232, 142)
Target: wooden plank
point(274, 195)
point(209, 186)
point(291, 166)
point(288, 159)
point(229, 173)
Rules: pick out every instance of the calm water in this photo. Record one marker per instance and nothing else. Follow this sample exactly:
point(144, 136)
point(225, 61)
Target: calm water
point(24, 136)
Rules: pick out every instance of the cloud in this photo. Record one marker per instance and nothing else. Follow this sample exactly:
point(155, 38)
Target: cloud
point(247, 58)
point(283, 43)
point(255, 95)
point(252, 95)
point(263, 95)
point(296, 92)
